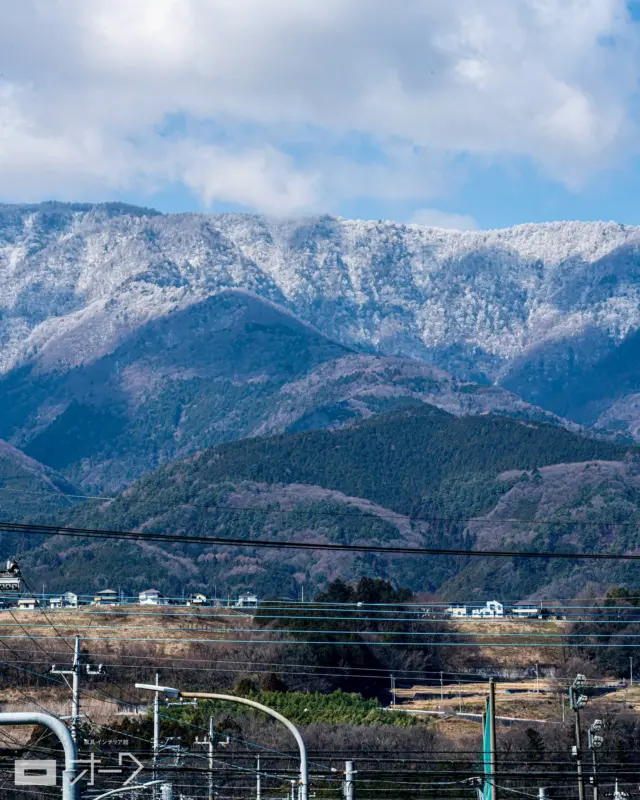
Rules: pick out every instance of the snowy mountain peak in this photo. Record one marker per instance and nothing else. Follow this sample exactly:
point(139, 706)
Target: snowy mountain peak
point(78, 278)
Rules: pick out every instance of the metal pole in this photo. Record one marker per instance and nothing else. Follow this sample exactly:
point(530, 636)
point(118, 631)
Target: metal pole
point(211, 759)
point(578, 749)
point(631, 670)
point(349, 785)
point(595, 775)
point(156, 733)
point(492, 734)
point(69, 789)
point(75, 687)
point(258, 787)
point(537, 680)
point(441, 687)
point(393, 691)
point(293, 791)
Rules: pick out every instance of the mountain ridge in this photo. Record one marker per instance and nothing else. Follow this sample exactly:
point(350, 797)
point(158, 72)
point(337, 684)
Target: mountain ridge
point(363, 272)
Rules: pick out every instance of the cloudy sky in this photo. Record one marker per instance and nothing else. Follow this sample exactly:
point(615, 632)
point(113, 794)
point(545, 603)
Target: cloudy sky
point(457, 113)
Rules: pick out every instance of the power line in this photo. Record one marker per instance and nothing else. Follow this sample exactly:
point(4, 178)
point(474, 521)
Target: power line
point(93, 533)
point(385, 513)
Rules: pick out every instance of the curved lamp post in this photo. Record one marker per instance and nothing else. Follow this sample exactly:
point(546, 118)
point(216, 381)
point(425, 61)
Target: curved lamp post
point(175, 693)
point(69, 788)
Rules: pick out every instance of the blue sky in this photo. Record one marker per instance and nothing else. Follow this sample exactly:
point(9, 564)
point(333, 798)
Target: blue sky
point(466, 113)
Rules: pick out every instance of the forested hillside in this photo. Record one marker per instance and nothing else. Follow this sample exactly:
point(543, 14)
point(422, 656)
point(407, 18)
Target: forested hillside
point(356, 485)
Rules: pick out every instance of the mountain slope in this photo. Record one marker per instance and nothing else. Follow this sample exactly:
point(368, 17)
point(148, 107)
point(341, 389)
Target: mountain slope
point(29, 490)
point(78, 279)
point(230, 366)
point(595, 506)
point(603, 392)
point(354, 485)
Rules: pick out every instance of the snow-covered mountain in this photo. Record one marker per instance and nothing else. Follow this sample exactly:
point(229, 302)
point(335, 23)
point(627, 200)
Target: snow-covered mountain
point(113, 321)
point(77, 279)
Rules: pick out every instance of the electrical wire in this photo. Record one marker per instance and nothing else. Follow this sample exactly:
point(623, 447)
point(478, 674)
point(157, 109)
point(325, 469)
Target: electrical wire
point(148, 536)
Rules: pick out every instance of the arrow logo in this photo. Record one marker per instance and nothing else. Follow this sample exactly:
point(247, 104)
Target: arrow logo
point(134, 774)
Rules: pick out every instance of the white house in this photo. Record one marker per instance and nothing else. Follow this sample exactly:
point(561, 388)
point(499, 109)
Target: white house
point(456, 611)
point(491, 609)
point(27, 603)
point(526, 612)
point(151, 597)
point(67, 600)
point(197, 599)
point(247, 601)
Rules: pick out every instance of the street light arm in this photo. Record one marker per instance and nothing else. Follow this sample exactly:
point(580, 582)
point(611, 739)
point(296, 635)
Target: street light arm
point(304, 771)
point(123, 789)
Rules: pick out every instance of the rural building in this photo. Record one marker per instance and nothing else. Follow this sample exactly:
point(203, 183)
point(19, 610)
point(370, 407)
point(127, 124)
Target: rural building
point(107, 597)
point(151, 597)
point(491, 609)
point(27, 603)
point(456, 610)
point(11, 577)
point(197, 599)
point(526, 612)
point(67, 600)
point(247, 601)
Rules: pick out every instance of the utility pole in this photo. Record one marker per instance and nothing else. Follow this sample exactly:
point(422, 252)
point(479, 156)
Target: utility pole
point(441, 687)
point(576, 702)
point(393, 691)
point(492, 739)
point(75, 672)
point(631, 671)
point(156, 732)
point(349, 787)
point(537, 680)
point(211, 759)
point(75, 691)
point(258, 786)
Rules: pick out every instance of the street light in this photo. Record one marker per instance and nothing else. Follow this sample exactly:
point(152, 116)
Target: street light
point(595, 740)
point(577, 700)
point(169, 691)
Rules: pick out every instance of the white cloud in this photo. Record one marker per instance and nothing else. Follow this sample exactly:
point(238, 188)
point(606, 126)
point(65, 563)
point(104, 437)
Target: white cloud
point(442, 219)
point(261, 178)
point(88, 84)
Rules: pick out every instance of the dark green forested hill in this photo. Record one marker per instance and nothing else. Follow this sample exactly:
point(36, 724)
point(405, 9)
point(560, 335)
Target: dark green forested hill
point(331, 486)
point(415, 460)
